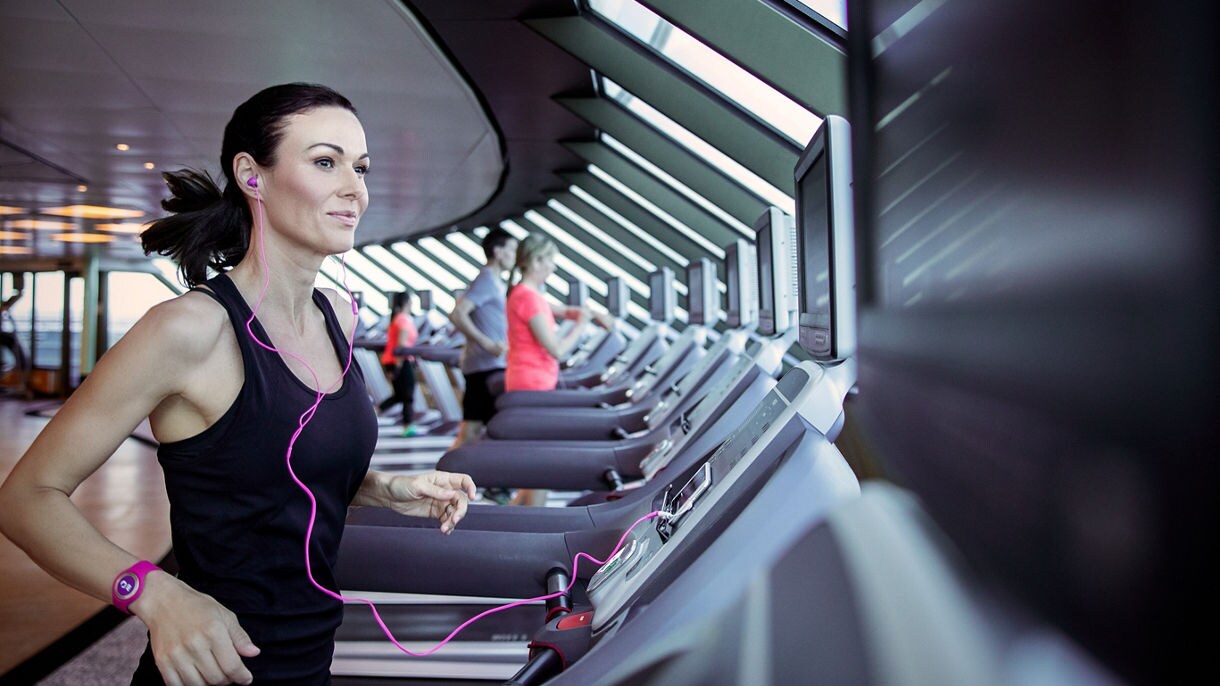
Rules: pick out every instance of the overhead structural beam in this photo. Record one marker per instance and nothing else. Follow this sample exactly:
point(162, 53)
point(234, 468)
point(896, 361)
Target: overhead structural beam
point(694, 107)
point(595, 217)
point(699, 221)
point(670, 157)
point(796, 62)
point(648, 223)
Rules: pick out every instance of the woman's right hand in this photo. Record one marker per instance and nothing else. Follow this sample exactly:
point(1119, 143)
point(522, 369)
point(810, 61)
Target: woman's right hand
point(195, 639)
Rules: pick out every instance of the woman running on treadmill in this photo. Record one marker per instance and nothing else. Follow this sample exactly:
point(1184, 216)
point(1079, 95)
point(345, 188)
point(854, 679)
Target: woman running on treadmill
point(401, 372)
point(228, 375)
point(534, 346)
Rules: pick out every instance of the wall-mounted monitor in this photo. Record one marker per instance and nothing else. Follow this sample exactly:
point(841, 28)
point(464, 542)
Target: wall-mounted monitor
point(617, 297)
point(578, 293)
point(775, 247)
point(425, 300)
point(703, 301)
point(826, 255)
point(741, 274)
point(662, 298)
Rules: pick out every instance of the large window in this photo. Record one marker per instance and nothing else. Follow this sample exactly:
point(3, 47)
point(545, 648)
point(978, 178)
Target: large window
point(717, 72)
point(652, 208)
point(834, 10)
point(130, 295)
point(681, 188)
point(47, 299)
point(698, 147)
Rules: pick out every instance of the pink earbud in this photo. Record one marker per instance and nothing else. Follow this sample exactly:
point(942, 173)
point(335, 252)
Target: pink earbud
point(252, 182)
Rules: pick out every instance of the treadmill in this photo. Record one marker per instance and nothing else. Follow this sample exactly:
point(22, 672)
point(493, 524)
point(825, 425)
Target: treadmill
point(595, 352)
point(798, 480)
point(690, 419)
point(793, 425)
point(642, 350)
point(632, 369)
point(636, 404)
point(515, 560)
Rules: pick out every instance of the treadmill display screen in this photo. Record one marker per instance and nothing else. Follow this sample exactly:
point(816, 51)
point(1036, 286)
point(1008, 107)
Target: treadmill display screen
point(676, 506)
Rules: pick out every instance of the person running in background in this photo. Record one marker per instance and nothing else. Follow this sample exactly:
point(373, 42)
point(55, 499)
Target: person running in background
point(534, 347)
point(479, 313)
point(401, 372)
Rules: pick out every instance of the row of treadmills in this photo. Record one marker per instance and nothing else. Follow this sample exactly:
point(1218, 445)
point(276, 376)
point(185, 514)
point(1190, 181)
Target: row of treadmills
point(767, 563)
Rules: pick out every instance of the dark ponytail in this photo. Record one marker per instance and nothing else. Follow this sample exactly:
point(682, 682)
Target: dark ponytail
point(208, 228)
point(205, 231)
point(399, 301)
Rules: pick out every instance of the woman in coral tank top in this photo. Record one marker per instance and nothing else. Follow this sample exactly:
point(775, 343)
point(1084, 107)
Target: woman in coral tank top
point(534, 347)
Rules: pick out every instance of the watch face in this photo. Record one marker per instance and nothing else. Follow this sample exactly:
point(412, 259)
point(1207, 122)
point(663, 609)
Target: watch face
point(126, 585)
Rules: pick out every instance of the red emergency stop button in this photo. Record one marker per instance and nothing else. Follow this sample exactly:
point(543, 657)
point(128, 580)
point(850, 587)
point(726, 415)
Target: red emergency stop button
point(575, 621)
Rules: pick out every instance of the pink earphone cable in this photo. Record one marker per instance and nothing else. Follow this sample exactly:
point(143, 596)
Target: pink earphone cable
point(308, 415)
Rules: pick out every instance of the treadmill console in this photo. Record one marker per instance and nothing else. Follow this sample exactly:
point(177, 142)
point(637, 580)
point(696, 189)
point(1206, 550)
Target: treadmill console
point(661, 454)
point(676, 505)
point(689, 383)
point(686, 504)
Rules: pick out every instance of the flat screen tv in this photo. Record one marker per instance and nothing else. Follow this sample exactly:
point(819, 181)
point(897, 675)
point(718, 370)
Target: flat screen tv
point(702, 298)
point(616, 297)
point(662, 298)
point(578, 293)
point(825, 238)
point(741, 273)
point(776, 272)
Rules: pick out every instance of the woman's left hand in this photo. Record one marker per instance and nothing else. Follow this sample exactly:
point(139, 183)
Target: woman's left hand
point(443, 495)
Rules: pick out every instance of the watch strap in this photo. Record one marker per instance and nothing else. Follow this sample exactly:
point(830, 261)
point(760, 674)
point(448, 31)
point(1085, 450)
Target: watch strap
point(129, 584)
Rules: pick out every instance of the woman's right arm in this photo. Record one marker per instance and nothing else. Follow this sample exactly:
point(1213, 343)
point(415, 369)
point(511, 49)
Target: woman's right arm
point(169, 349)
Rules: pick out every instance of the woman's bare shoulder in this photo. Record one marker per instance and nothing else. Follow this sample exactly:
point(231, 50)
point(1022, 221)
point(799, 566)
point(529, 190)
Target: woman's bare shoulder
point(189, 326)
point(342, 307)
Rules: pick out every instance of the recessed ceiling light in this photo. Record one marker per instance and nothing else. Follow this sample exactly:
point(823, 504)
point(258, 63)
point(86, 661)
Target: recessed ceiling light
point(15, 250)
point(13, 235)
point(149, 165)
point(82, 238)
point(93, 212)
point(82, 188)
point(123, 146)
point(39, 224)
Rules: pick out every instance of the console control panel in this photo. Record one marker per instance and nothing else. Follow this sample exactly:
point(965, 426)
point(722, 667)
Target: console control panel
point(684, 506)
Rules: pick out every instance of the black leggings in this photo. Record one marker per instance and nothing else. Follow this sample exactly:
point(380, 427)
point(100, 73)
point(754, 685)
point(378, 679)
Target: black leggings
point(402, 378)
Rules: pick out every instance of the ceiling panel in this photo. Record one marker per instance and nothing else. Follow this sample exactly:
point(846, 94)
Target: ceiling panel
point(81, 76)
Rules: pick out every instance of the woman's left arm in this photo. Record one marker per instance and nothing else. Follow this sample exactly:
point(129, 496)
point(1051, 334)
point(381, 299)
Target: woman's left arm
point(602, 319)
point(443, 495)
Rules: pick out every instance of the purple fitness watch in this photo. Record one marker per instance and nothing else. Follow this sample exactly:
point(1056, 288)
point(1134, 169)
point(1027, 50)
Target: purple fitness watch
point(129, 584)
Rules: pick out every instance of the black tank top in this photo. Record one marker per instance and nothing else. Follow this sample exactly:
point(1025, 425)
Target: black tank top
point(237, 518)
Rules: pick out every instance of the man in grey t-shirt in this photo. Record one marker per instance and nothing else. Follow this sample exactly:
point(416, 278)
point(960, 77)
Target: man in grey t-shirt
point(480, 314)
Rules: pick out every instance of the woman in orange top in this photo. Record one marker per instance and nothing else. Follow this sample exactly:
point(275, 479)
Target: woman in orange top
point(534, 347)
point(402, 333)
